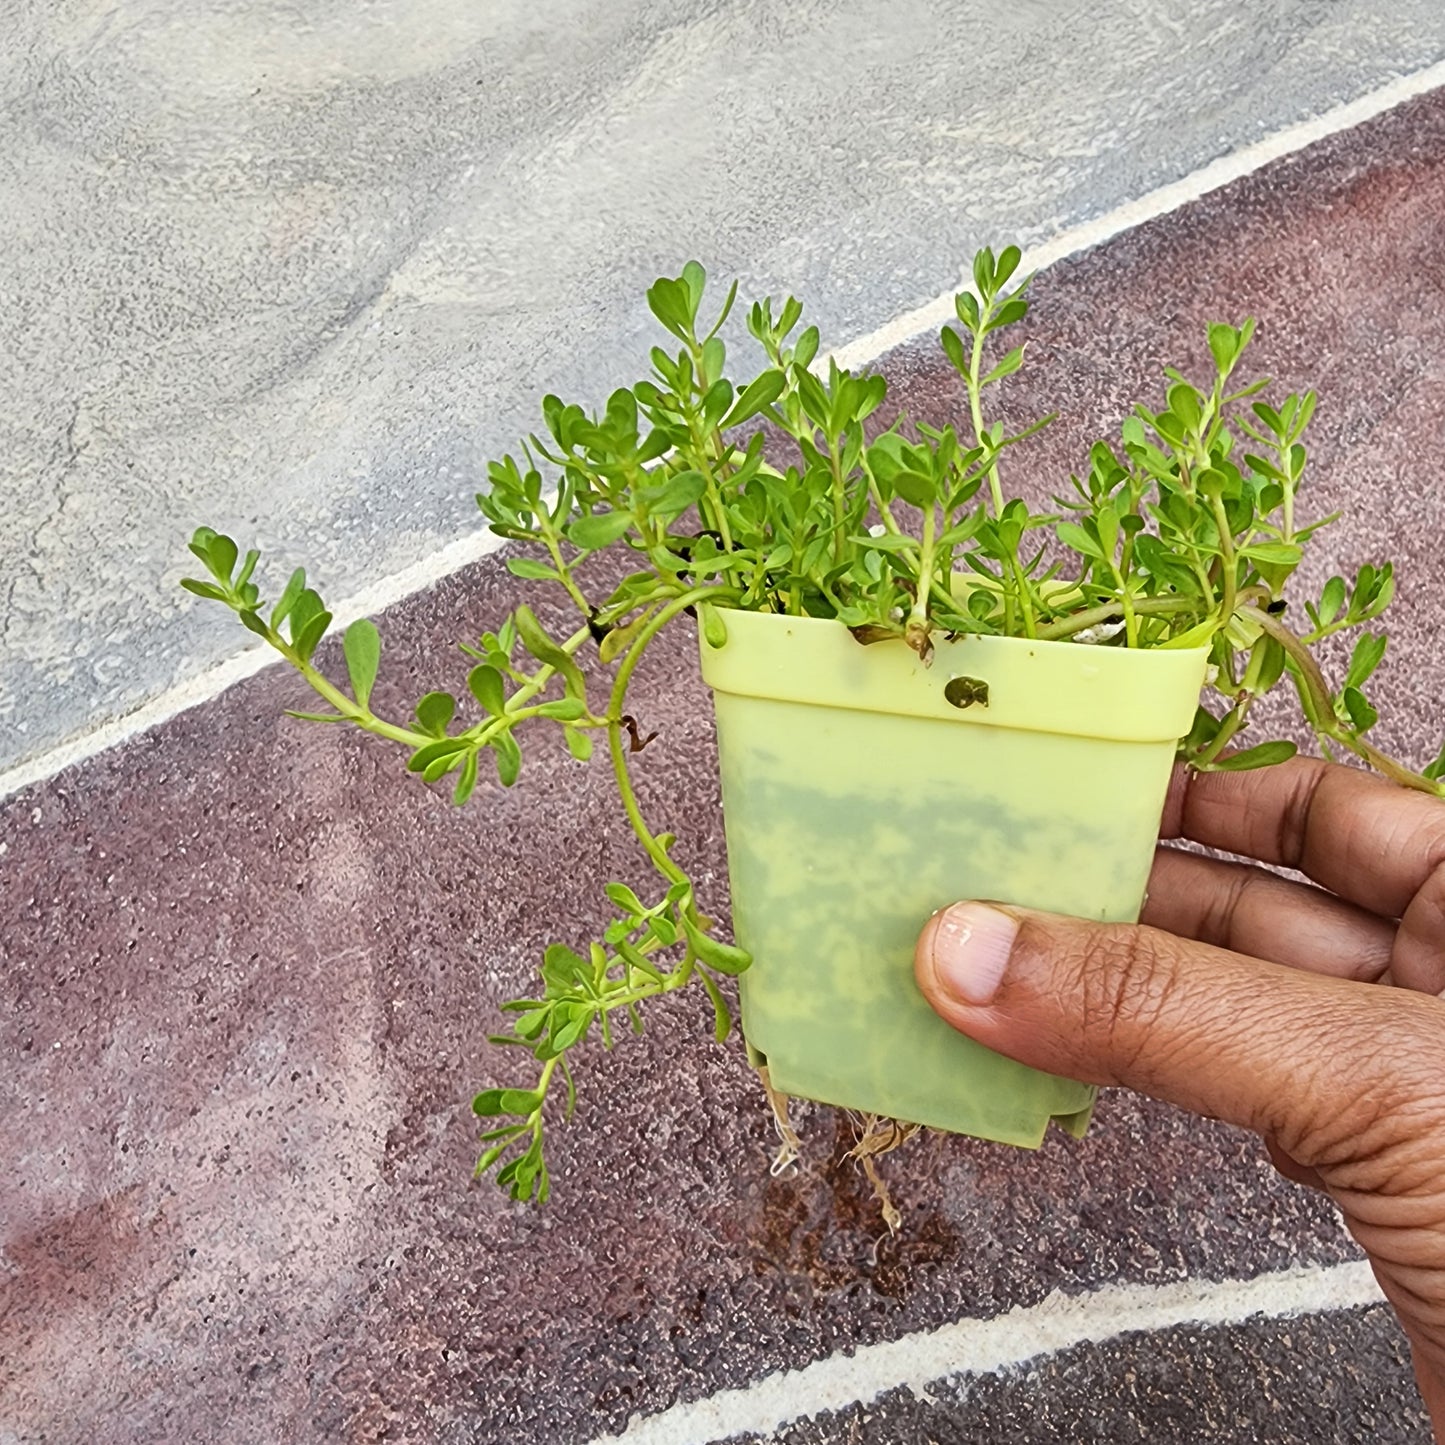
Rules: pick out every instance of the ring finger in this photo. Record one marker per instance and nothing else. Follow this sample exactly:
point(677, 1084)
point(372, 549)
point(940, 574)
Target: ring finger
point(1252, 911)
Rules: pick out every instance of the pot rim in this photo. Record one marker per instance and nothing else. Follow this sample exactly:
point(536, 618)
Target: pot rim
point(1071, 688)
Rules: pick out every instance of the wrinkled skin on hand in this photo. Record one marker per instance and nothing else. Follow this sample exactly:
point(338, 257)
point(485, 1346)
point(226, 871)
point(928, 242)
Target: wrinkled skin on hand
point(1310, 1012)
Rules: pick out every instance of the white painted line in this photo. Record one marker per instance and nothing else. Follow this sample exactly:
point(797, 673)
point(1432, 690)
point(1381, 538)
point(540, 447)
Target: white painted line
point(1232, 167)
point(215, 680)
point(1068, 242)
point(984, 1346)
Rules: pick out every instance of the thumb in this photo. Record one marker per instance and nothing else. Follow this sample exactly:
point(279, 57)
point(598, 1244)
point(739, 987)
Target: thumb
point(1294, 1055)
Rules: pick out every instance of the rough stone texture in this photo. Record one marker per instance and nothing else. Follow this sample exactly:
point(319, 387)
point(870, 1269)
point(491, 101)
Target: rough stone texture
point(248, 970)
point(249, 980)
point(298, 274)
point(1344, 1378)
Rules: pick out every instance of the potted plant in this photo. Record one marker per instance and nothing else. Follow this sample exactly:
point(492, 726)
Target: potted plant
point(924, 689)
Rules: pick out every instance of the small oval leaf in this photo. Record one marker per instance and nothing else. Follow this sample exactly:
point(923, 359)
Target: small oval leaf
point(434, 712)
point(530, 570)
point(487, 687)
point(362, 646)
point(599, 530)
point(1263, 755)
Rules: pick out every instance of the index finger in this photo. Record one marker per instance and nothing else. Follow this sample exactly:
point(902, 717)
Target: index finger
point(1359, 835)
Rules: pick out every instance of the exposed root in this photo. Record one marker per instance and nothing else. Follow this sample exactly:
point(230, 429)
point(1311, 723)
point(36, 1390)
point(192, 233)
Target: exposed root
point(875, 1135)
point(790, 1149)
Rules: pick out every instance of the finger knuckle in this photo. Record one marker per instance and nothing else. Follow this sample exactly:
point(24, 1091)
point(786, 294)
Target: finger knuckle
point(1374, 1090)
point(1124, 977)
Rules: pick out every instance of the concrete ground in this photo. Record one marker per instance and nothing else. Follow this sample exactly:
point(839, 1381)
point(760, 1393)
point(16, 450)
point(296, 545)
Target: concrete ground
point(299, 272)
point(249, 964)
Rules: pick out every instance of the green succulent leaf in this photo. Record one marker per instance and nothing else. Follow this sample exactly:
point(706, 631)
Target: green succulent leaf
point(1074, 536)
point(307, 638)
point(601, 529)
point(1006, 367)
point(203, 589)
point(530, 570)
point(563, 709)
point(1332, 600)
point(952, 344)
point(676, 495)
point(492, 1102)
point(467, 781)
point(509, 758)
point(755, 398)
point(914, 487)
point(1262, 755)
point(670, 301)
point(424, 757)
point(362, 646)
point(434, 713)
point(625, 899)
point(290, 595)
point(1282, 554)
point(535, 640)
point(722, 1014)
point(1368, 654)
point(218, 552)
point(724, 957)
point(446, 763)
point(487, 687)
point(714, 629)
point(1360, 711)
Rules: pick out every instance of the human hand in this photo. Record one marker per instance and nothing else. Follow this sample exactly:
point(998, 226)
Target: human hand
point(1246, 996)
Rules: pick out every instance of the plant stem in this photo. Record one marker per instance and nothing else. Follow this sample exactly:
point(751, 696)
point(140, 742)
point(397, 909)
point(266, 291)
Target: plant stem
point(975, 406)
point(840, 536)
point(722, 453)
point(940, 589)
point(1021, 581)
point(552, 540)
point(918, 619)
point(699, 442)
point(1092, 616)
point(885, 516)
point(617, 701)
point(1317, 699)
point(544, 1083)
point(365, 719)
point(1226, 553)
point(639, 993)
point(1126, 596)
point(362, 717)
point(1230, 725)
point(995, 486)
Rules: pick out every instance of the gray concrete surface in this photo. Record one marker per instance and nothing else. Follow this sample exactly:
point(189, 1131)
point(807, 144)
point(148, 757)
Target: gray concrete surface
point(298, 271)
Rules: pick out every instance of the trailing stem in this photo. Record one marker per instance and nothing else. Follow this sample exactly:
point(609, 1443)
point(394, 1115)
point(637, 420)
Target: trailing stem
point(616, 711)
point(1317, 701)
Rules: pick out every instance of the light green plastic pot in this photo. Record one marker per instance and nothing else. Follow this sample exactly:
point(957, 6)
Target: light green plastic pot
point(858, 799)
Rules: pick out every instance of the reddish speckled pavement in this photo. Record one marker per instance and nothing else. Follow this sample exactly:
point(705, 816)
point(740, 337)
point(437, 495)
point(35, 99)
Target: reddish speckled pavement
point(249, 967)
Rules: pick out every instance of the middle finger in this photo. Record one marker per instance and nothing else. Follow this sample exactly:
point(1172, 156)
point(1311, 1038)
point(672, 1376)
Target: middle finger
point(1252, 911)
